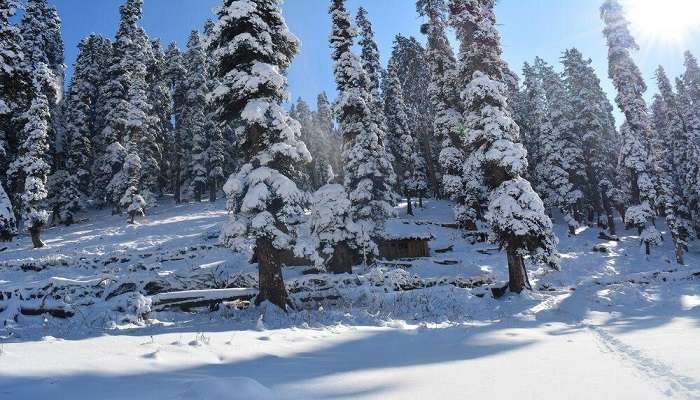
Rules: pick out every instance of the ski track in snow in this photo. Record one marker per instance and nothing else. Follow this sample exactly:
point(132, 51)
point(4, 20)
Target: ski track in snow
point(669, 383)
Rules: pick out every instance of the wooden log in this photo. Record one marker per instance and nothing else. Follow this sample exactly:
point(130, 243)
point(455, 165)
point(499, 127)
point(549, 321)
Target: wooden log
point(187, 300)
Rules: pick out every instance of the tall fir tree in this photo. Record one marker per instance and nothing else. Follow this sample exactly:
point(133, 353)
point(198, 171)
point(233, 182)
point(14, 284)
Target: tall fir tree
point(408, 164)
point(174, 74)
point(253, 49)
point(161, 103)
point(367, 173)
point(215, 154)
point(495, 159)
point(444, 95)
point(194, 116)
point(667, 145)
point(637, 130)
point(590, 117)
point(412, 67)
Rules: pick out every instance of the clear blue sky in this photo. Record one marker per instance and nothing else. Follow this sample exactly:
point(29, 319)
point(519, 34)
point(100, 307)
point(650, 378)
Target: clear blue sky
point(529, 28)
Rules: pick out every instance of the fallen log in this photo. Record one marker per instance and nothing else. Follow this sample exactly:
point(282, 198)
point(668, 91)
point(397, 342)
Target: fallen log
point(190, 299)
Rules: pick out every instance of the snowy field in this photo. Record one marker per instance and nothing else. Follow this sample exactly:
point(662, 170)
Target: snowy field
point(611, 325)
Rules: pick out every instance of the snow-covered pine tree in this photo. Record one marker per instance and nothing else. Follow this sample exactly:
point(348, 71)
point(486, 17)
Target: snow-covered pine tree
point(114, 105)
point(689, 151)
point(216, 157)
point(161, 103)
point(637, 130)
point(667, 145)
point(42, 43)
point(14, 85)
point(332, 228)
point(495, 159)
point(8, 223)
point(253, 49)
point(562, 157)
point(29, 171)
point(590, 109)
point(408, 163)
point(367, 173)
point(448, 124)
point(412, 68)
point(330, 160)
point(194, 116)
point(301, 112)
point(691, 79)
point(175, 73)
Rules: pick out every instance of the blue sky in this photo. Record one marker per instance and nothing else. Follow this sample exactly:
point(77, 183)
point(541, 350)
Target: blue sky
point(529, 28)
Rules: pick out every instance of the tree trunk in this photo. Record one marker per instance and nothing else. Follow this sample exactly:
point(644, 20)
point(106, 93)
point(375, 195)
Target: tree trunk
point(212, 190)
point(409, 211)
point(342, 259)
point(609, 212)
point(420, 201)
point(647, 248)
point(178, 188)
point(198, 190)
point(271, 282)
point(35, 232)
point(516, 271)
point(432, 169)
point(572, 231)
point(679, 253)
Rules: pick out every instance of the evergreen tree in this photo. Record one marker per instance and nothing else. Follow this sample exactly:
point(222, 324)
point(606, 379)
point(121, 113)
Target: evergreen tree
point(590, 110)
point(447, 124)
point(330, 160)
point(562, 154)
point(688, 151)
point(370, 55)
point(8, 223)
point(14, 84)
point(194, 116)
point(408, 163)
point(691, 79)
point(637, 130)
point(367, 173)
point(253, 49)
point(216, 157)
point(412, 68)
point(29, 171)
point(495, 159)
point(175, 73)
point(667, 146)
point(161, 103)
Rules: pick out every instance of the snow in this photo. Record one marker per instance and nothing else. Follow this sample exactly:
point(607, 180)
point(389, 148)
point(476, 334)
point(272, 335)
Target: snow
point(627, 331)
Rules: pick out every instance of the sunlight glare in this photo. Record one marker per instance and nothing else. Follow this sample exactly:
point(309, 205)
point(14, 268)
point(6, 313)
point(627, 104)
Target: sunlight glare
point(668, 21)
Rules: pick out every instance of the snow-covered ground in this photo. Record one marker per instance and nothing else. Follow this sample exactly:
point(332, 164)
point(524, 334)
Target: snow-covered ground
point(612, 324)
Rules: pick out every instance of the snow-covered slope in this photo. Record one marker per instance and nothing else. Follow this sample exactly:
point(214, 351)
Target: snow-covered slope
point(611, 324)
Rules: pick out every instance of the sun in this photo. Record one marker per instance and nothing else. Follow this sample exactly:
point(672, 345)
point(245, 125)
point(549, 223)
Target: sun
point(670, 22)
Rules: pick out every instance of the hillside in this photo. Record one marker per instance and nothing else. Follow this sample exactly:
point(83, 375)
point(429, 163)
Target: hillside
point(611, 323)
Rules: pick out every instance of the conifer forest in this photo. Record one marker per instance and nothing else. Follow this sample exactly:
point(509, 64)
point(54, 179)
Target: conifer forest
point(176, 223)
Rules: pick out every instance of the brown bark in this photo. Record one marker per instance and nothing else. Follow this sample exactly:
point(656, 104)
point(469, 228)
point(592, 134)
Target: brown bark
point(608, 212)
point(35, 233)
point(270, 280)
point(342, 259)
point(516, 271)
point(679, 253)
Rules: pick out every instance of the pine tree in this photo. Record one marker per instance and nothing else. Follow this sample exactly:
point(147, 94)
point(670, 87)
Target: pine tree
point(367, 173)
point(562, 154)
point(329, 161)
point(495, 159)
point(14, 84)
point(448, 124)
point(370, 55)
point(253, 49)
point(29, 171)
point(217, 145)
point(668, 160)
point(637, 130)
point(194, 116)
point(590, 109)
point(175, 73)
point(8, 223)
point(412, 68)
point(691, 79)
point(688, 145)
point(161, 103)
point(409, 164)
